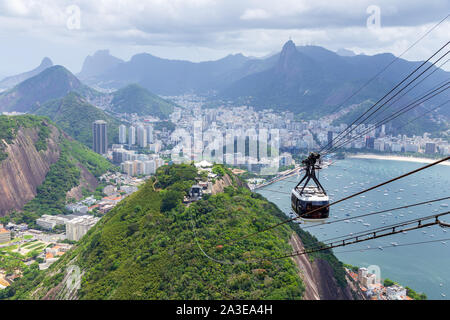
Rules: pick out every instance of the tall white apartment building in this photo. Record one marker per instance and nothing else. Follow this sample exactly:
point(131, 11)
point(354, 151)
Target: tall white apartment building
point(141, 137)
point(132, 136)
point(122, 134)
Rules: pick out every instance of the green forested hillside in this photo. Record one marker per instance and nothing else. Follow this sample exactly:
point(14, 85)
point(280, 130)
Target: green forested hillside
point(143, 249)
point(136, 99)
point(10, 125)
point(62, 176)
point(75, 116)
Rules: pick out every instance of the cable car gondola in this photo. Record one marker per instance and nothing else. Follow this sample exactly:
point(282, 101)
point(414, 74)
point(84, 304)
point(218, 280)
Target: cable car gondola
point(305, 199)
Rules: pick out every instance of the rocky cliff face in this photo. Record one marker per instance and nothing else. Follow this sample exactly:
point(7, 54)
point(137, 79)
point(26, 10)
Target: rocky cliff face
point(25, 168)
point(318, 277)
point(226, 181)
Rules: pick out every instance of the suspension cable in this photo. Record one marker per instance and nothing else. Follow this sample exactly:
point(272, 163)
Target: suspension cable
point(343, 199)
point(350, 127)
point(388, 65)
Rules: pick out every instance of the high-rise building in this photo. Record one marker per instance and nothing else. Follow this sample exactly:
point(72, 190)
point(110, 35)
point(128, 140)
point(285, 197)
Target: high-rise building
point(370, 142)
point(131, 135)
point(149, 130)
point(330, 139)
point(122, 134)
point(141, 136)
point(100, 138)
point(78, 227)
point(430, 148)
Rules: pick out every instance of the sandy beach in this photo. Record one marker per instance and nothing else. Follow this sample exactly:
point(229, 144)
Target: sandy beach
point(396, 158)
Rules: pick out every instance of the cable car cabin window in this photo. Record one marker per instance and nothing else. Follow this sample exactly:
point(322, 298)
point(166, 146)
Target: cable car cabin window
point(313, 205)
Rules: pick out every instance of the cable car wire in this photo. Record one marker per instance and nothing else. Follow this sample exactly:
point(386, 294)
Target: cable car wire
point(351, 128)
point(343, 199)
point(389, 64)
point(378, 212)
point(344, 132)
point(394, 246)
point(390, 118)
point(370, 235)
point(412, 88)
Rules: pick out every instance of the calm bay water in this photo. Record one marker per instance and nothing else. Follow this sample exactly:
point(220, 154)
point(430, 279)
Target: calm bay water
point(423, 267)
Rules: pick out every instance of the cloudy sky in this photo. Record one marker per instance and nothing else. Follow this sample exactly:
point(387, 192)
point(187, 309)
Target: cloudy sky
point(197, 30)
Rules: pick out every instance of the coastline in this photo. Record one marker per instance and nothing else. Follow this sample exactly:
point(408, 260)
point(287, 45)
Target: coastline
point(396, 158)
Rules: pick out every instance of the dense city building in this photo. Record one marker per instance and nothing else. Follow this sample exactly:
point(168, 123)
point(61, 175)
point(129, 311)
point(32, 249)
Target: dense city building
point(99, 137)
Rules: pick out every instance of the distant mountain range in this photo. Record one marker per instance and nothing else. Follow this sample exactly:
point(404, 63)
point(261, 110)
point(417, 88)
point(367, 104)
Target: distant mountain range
point(11, 81)
point(57, 82)
point(98, 64)
point(52, 83)
point(308, 80)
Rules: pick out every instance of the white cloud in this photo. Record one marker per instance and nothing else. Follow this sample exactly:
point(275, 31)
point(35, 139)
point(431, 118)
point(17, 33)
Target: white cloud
point(255, 14)
point(206, 29)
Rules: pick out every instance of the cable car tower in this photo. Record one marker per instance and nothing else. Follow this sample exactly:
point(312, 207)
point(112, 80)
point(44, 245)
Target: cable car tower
point(306, 198)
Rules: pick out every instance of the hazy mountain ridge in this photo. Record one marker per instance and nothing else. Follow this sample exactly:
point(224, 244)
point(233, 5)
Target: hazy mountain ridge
point(100, 62)
point(11, 81)
point(308, 80)
point(52, 83)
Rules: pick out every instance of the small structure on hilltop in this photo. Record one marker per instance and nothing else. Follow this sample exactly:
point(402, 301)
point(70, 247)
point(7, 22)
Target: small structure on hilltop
point(196, 192)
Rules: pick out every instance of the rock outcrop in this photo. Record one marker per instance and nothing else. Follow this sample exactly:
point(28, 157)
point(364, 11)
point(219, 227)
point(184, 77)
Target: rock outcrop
point(318, 277)
point(25, 168)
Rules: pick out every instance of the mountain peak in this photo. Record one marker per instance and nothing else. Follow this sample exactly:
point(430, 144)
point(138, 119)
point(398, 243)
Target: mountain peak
point(46, 62)
point(289, 45)
point(288, 54)
point(100, 62)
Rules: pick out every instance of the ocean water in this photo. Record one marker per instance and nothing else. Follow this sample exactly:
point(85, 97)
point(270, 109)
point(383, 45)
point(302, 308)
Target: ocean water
point(423, 267)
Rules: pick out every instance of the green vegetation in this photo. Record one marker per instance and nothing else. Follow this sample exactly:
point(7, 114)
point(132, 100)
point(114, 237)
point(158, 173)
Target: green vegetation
point(62, 176)
point(310, 241)
point(219, 170)
point(136, 99)
point(75, 116)
point(10, 125)
point(351, 267)
point(388, 282)
point(147, 247)
point(144, 250)
point(415, 295)
point(168, 125)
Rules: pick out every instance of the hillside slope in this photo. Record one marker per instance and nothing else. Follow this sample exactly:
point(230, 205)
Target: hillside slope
point(11, 81)
point(75, 116)
point(151, 246)
point(39, 165)
point(52, 83)
point(136, 99)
